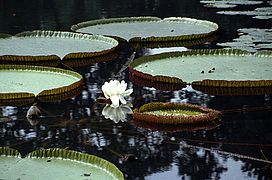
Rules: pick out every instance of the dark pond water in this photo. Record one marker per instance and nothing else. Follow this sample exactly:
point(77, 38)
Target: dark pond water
point(234, 149)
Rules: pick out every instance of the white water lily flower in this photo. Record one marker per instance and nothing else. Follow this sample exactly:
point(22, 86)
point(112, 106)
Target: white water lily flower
point(116, 91)
point(117, 114)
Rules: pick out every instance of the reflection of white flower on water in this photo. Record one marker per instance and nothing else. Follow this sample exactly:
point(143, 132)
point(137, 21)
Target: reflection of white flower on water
point(116, 91)
point(117, 114)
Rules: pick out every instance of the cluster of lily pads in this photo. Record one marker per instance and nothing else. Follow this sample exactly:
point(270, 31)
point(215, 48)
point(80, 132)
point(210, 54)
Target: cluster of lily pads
point(26, 57)
point(98, 40)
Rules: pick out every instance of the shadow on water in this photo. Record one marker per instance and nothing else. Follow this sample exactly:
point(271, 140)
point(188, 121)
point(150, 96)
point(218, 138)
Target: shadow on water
point(233, 150)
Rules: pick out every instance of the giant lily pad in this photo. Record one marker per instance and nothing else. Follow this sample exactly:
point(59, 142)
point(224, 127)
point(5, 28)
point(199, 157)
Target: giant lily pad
point(39, 47)
point(165, 44)
point(217, 68)
point(156, 84)
point(26, 82)
point(55, 164)
point(149, 28)
point(86, 62)
point(175, 113)
point(228, 91)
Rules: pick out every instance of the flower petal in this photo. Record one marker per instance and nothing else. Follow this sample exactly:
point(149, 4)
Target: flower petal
point(105, 89)
point(127, 92)
point(122, 87)
point(115, 101)
point(122, 99)
point(115, 88)
point(105, 111)
point(116, 91)
point(126, 109)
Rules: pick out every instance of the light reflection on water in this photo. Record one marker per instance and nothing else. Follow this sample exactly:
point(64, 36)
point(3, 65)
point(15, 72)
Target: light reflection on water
point(152, 51)
point(78, 123)
point(163, 153)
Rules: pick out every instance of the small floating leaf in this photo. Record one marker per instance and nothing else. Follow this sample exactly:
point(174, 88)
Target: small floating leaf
point(174, 113)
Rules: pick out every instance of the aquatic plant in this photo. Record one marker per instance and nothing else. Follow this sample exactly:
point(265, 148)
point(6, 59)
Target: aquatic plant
point(48, 48)
point(149, 29)
point(165, 86)
point(174, 43)
point(20, 82)
point(174, 113)
point(116, 92)
point(215, 68)
point(55, 163)
point(176, 127)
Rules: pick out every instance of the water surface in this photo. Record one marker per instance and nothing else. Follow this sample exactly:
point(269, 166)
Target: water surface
point(234, 149)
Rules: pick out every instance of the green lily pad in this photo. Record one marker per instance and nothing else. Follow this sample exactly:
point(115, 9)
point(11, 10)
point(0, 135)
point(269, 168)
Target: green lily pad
point(164, 86)
point(38, 47)
point(149, 29)
point(217, 68)
point(165, 44)
point(86, 62)
point(219, 91)
point(20, 82)
point(3, 35)
point(55, 164)
point(174, 113)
